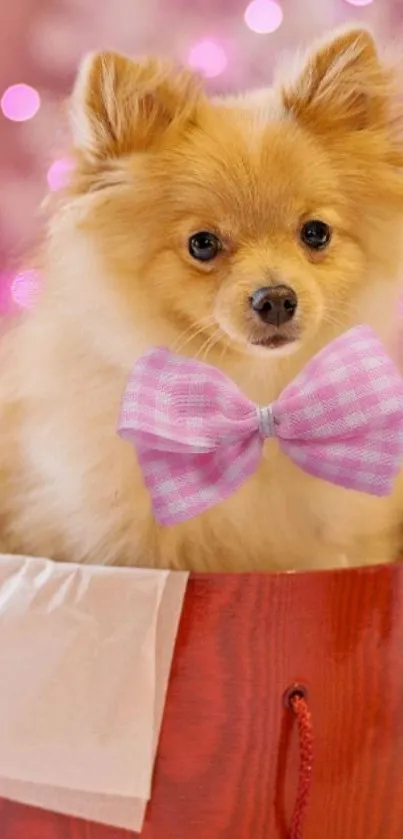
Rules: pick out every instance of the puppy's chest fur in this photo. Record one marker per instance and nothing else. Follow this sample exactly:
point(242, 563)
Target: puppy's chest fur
point(76, 494)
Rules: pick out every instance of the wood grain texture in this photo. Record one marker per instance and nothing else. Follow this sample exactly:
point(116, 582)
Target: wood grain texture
point(227, 763)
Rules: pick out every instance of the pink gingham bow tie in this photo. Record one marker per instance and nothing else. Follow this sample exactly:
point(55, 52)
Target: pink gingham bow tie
point(198, 438)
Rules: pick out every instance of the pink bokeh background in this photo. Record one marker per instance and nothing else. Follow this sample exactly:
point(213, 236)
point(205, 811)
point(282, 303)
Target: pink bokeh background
point(233, 43)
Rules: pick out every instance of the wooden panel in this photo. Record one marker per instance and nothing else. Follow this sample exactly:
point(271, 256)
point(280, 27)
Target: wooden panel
point(227, 765)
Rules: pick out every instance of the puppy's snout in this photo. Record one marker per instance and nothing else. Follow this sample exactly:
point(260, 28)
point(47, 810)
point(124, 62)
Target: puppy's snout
point(275, 305)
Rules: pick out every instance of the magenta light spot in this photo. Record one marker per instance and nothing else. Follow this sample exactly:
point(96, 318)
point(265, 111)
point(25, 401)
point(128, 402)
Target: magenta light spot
point(59, 173)
point(263, 16)
point(208, 57)
point(359, 2)
point(25, 288)
point(20, 102)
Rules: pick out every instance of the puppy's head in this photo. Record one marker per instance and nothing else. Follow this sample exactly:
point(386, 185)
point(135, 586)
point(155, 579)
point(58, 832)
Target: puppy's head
point(255, 224)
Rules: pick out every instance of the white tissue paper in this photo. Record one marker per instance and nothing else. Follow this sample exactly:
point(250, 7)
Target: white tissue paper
point(85, 655)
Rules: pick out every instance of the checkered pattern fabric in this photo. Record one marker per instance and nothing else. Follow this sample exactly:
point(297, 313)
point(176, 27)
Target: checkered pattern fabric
point(198, 438)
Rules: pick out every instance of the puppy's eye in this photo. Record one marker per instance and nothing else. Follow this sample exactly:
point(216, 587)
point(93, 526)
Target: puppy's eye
point(316, 234)
point(204, 246)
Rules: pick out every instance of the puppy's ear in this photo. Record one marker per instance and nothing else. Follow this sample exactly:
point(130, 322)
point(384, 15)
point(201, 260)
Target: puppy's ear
point(342, 86)
point(119, 106)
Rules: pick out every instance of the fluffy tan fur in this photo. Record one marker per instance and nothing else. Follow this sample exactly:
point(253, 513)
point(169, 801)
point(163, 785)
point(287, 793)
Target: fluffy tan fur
point(157, 161)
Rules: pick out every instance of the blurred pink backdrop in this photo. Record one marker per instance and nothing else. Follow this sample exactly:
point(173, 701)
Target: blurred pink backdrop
point(232, 42)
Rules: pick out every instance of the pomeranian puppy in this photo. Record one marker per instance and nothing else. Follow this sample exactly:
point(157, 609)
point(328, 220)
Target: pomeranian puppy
point(245, 231)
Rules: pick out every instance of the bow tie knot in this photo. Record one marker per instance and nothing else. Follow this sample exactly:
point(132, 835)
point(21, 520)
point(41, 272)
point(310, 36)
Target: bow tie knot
point(266, 422)
point(198, 439)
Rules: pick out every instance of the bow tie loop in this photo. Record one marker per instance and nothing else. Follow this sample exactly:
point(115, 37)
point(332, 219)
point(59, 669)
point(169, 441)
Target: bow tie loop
point(175, 404)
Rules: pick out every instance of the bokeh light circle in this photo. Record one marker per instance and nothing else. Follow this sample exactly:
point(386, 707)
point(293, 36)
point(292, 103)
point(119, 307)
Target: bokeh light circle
point(359, 2)
point(263, 16)
point(58, 174)
point(25, 288)
point(208, 57)
point(20, 102)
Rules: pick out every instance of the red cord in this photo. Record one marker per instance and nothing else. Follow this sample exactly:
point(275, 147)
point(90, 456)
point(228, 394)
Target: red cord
point(299, 706)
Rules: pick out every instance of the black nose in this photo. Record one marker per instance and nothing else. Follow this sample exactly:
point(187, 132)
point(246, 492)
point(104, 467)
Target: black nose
point(275, 304)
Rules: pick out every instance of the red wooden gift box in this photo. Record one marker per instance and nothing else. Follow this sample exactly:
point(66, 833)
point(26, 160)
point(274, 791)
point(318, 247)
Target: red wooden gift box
point(228, 757)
